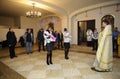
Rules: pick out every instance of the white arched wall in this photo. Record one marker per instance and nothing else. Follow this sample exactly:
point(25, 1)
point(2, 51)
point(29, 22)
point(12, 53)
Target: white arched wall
point(60, 12)
point(92, 14)
point(57, 11)
point(35, 23)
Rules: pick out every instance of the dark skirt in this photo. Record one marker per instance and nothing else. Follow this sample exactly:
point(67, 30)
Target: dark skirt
point(67, 45)
point(49, 46)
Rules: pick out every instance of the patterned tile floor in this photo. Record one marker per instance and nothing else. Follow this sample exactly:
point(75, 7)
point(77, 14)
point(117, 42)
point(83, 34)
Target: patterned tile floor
point(33, 66)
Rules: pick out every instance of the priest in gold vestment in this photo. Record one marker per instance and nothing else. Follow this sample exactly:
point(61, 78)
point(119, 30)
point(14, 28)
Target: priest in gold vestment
point(104, 54)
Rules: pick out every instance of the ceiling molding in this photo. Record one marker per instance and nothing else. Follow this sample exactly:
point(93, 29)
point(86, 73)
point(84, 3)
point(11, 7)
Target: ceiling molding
point(52, 7)
point(93, 7)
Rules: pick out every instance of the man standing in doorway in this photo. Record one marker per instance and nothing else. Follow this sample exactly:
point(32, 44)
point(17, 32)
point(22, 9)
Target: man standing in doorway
point(89, 34)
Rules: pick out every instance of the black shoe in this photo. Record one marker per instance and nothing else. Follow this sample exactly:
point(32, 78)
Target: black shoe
point(66, 58)
point(11, 57)
point(51, 63)
point(93, 68)
point(47, 63)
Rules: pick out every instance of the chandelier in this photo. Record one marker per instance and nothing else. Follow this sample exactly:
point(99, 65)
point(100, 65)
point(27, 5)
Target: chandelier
point(33, 13)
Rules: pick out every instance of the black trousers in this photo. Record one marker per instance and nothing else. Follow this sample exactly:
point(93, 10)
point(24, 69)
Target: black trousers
point(66, 53)
point(49, 57)
point(49, 47)
point(94, 44)
point(115, 45)
point(61, 41)
point(67, 46)
point(12, 51)
point(41, 43)
point(60, 44)
point(89, 43)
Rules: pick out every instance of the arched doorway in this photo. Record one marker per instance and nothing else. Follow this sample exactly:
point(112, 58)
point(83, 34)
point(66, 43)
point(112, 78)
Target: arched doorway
point(82, 28)
point(109, 18)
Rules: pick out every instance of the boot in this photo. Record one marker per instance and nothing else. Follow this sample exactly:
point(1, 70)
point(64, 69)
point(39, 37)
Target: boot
point(51, 58)
point(47, 59)
point(65, 54)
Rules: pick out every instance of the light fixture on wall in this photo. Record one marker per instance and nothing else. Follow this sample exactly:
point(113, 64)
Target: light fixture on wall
point(117, 7)
point(86, 15)
point(100, 12)
point(33, 13)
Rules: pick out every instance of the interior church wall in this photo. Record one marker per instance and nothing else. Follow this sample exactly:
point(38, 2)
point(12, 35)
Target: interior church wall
point(6, 21)
point(34, 23)
point(18, 33)
point(94, 14)
point(37, 23)
point(9, 21)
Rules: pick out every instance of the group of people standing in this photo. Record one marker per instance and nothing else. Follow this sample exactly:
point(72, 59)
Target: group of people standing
point(104, 54)
point(105, 43)
point(57, 44)
point(92, 38)
point(26, 40)
point(49, 40)
point(46, 39)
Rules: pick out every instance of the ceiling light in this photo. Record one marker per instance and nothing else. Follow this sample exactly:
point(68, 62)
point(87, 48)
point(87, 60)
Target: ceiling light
point(33, 13)
point(100, 12)
point(117, 7)
point(86, 15)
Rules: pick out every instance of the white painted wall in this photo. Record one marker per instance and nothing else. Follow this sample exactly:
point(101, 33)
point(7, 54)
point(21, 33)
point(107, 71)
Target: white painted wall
point(30, 23)
point(35, 23)
point(4, 27)
point(64, 22)
point(93, 14)
point(18, 33)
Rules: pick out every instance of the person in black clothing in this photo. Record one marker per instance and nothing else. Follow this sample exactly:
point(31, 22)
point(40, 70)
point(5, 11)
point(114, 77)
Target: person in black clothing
point(11, 39)
point(22, 41)
point(40, 39)
point(60, 39)
point(95, 39)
